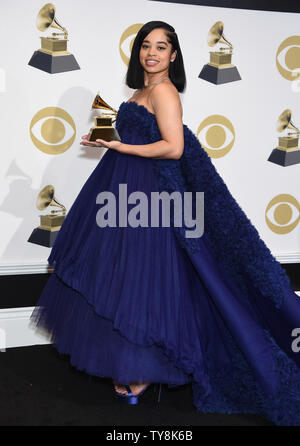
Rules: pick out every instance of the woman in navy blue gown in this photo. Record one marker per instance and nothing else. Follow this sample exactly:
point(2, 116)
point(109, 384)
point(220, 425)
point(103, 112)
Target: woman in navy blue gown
point(148, 305)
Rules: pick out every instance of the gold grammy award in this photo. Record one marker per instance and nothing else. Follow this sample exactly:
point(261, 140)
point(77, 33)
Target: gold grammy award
point(219, 70)
point(53, 56)
point(50, 224)
point(287, 152)
point(103, 128)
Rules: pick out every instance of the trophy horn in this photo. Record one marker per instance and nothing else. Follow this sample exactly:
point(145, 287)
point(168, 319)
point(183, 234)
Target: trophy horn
point(46, 19)
point(284, 122)
point(99, 103)
point(215, 35)
point(46, 198)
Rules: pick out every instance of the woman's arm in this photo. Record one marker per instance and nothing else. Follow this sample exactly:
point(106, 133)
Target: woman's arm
point(166, 104)
point(159, 149)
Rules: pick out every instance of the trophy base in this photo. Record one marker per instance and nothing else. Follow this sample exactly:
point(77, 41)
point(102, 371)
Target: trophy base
point(43, 237)
point(219, 76)
point(283, 158)
point(108, 134)
point(53, 64)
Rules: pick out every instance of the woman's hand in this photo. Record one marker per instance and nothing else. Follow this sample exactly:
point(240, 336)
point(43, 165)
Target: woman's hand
point(115, 145)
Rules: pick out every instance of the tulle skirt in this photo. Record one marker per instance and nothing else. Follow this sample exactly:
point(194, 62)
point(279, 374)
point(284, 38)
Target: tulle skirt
point(123, 302)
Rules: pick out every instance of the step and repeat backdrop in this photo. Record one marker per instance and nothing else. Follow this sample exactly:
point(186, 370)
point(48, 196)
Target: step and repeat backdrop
point(242, 101)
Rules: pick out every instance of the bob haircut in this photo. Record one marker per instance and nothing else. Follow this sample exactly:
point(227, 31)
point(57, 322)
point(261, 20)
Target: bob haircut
point(135, 72)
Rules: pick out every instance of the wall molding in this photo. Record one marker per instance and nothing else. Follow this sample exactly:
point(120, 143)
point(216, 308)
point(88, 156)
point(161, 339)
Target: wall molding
point(16, 329)
point(13, 268)
point(287, 257)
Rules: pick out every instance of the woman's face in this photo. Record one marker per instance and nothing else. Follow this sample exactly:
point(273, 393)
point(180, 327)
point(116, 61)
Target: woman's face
point(155, 52)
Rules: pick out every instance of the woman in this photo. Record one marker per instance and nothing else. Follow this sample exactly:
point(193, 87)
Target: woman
point(148, 304)
point(155, 56)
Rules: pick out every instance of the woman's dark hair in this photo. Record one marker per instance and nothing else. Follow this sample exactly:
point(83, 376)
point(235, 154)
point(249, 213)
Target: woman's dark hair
point(135, 72)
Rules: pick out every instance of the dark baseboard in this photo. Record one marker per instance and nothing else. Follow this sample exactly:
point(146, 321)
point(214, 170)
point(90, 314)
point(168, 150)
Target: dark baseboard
point(24, 290)
point(257, 5)
point(293, 271)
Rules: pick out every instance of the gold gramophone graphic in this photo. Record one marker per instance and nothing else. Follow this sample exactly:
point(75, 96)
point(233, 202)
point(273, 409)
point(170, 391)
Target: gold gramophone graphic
point(219, 70)
point(287, 152)
point(53, 56)
point(50, 224)
point(103, 124)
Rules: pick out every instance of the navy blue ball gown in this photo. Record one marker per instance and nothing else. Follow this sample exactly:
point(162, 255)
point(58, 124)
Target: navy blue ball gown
point(149, 304)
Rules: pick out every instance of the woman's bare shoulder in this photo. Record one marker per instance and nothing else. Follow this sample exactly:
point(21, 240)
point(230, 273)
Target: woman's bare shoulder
point(165, 92)
point(165, 88)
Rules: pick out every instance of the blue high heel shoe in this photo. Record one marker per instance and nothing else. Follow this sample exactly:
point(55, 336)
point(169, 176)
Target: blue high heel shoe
point(134, 399)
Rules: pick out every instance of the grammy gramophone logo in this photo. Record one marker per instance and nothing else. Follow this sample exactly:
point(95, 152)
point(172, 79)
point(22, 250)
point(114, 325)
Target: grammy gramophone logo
point(53, 56)
point(219, 69)
point(103, 128)
point(45, 234)
point(216, 135)
point(287, 152)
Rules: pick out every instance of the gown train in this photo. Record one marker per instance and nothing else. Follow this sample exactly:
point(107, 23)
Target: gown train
point(148, 304)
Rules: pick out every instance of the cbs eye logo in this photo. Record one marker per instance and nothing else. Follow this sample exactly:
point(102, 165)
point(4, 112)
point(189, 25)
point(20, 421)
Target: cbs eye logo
point(126, 41)
point(217, 135)
point(284, 216)
point(288, 58)
point(52, 130)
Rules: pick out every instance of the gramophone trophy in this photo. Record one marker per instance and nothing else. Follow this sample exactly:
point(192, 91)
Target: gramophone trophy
point(287, 152)
point(53, 56)
point(50, 224)
point(219, 70)
point(103, 124)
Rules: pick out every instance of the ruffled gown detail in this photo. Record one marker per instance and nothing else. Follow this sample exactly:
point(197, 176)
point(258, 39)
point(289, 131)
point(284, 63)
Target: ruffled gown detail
point(148, 304)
